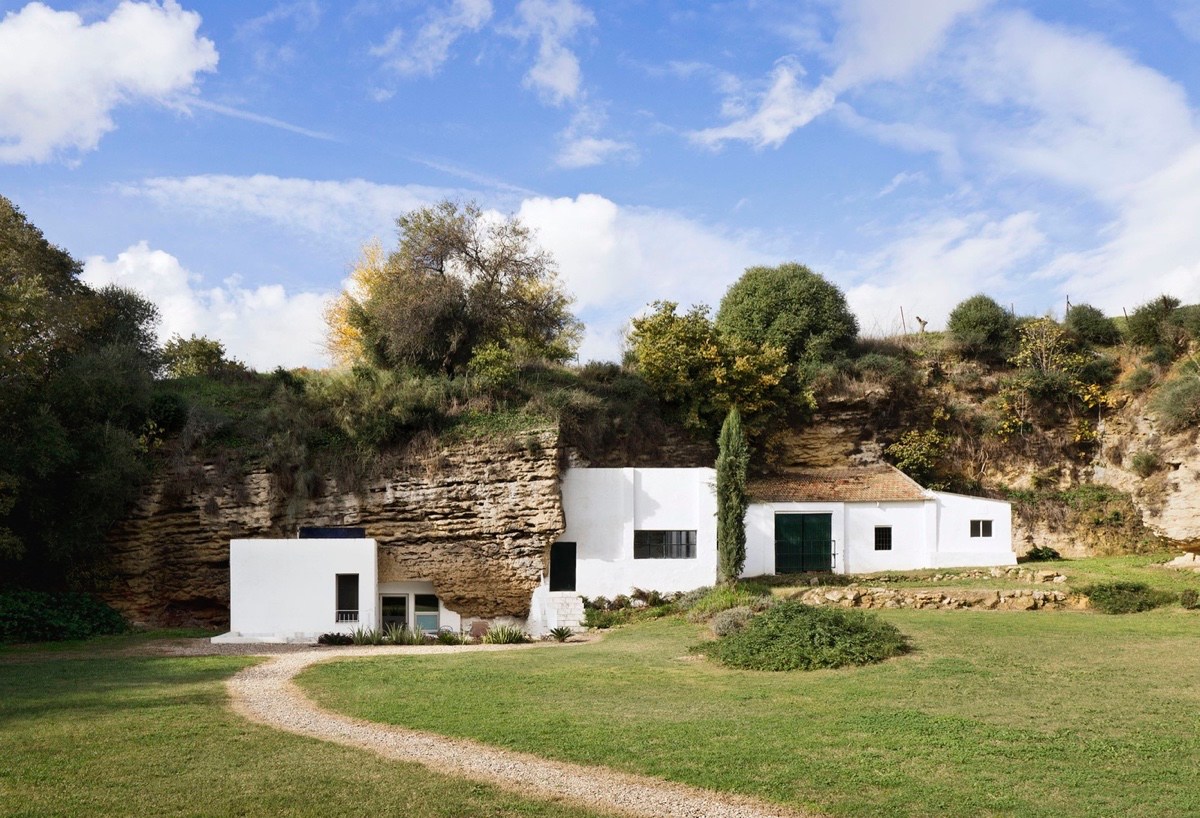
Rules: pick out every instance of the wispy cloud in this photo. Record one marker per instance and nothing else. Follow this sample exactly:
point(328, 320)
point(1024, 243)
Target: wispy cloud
point(424, 53)
point(250, 116)
point(555, 74)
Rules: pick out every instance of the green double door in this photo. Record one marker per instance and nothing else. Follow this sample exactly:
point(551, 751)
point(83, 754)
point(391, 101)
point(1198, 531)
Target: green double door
point(803, 542)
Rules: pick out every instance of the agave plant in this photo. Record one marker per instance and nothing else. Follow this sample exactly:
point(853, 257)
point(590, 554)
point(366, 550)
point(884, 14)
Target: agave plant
point(505, 635)
point(562, 633)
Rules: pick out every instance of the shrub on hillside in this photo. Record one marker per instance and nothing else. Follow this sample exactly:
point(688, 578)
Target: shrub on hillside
point(35, 616)
point(1093, 326)
point(982, 329)
point(1190, 599)
point(1125, 597)
point(794, 636)
point(730, 621)
point(1042, 553)
point(1138, 381)
point(1146, 462)
point(1177, 403)
point(702, 603)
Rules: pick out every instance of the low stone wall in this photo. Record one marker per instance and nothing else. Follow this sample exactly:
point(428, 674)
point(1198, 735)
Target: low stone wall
point(1019, 599)
point(1010, 572)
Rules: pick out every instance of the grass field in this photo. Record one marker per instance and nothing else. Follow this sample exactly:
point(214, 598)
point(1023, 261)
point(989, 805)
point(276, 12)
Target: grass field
point(1032, 714)
point(86, 732)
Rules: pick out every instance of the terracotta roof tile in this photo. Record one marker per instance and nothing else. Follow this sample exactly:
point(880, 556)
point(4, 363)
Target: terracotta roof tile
point(861, 484)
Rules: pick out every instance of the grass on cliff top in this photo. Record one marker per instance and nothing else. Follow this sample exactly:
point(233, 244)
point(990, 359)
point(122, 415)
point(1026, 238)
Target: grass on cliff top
point(103, 734)
point(996, 713)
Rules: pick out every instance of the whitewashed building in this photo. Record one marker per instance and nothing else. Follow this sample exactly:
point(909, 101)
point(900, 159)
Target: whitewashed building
point(629, 528)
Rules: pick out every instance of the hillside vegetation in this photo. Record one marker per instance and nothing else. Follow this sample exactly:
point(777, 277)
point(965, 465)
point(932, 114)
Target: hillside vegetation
point(464, 331)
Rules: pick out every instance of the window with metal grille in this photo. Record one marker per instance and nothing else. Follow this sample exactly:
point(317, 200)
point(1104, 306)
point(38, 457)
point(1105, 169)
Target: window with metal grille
point(981, 528)
point(347, 597)
point(883, 538)
point(664, 545)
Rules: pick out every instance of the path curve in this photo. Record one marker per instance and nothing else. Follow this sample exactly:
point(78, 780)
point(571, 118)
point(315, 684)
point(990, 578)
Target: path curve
point(267, 693)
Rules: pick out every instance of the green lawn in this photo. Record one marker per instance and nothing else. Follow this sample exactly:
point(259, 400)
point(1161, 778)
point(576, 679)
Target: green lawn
point(996, 713)
point(1128, 568)
point(111, 735)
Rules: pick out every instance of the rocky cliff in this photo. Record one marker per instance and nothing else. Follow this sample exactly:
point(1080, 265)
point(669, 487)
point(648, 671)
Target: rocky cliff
point(476, 518)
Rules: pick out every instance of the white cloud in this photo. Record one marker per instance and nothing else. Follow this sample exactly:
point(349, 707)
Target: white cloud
point(555, 74)
point(354, 207)
point(941, 262)
point(61, 79)
point(1153, 248)
point(878, 40)
point(264, 326)
point(426, 52)
point(584, 147)
point(1089, 115)
point(616, 260)
point(902, 178)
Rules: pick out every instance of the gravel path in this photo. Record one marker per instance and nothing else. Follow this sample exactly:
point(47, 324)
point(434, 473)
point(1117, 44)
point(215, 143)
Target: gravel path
point(266, 693)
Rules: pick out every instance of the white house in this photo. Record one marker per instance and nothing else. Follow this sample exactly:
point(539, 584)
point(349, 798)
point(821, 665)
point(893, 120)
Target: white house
point(634, 528)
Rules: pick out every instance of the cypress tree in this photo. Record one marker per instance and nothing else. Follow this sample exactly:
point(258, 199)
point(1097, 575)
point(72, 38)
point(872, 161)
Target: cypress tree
point(733, 461)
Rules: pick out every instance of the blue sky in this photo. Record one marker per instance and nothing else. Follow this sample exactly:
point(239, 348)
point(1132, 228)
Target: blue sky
point(230, 159)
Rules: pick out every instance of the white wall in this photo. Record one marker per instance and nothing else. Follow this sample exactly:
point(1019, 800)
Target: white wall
point(288, 588)
point(911, 537)
point(760, 533)
point(957, 548)
point(603, 507)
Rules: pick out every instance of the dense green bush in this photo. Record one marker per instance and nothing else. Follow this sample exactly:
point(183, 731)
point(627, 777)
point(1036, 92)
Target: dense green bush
point(1138, 381)
point(1189, 599)
point(1149, 325)
point(794, 636)
point(1093, 326)
point(789, 307)
point(1177, 403)
point(35, 616)
point(335, 639)
point(1125, 597)
point(1042, 553)
point(730, 621)
point(982, 329)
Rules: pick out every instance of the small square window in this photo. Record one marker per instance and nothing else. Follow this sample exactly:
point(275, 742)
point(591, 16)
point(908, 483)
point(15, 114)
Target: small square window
point(883, 538)
point(981, 528)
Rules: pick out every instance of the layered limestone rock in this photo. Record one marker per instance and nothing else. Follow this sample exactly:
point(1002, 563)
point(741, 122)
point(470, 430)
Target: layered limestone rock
point(476, 518)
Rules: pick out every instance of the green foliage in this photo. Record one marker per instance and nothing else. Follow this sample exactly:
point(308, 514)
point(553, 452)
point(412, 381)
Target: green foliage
point(1093, 326)
point(703, 373)
point(561, 634)
point(458, 281)
point(1146, 462)
point(1189, 599)
point(702, 603)
point(982, 329)
point(730, 621)
point(505, 635)
point(33, 616)
point(794, 636)
point(1125, 597)
point(194, 357)
point(1150, 326)
point(1177, 402)
point(788, 307)
point(449, 637)
point(335, 639)
point(919, 452)
point(1042, 553)
point(368, 636)
point(493, 366)
point(1138, 381)
point(733, 461)
point(395, 634)
point(603, 619)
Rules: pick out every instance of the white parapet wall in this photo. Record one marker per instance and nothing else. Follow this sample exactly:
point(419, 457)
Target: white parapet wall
point(287, 590)
point(972, 532)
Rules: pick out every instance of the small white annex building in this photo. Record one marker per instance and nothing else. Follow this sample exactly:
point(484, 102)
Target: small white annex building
point(629, 528)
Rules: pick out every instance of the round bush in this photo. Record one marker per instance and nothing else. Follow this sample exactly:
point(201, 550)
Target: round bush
point(795, 636)
point(1093, 326)
point(982, 329)
point(730, 621)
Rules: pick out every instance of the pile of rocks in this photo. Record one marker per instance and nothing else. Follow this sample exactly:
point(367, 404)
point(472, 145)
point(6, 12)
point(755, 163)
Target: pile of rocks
point(1014, 572)
point(855, 596)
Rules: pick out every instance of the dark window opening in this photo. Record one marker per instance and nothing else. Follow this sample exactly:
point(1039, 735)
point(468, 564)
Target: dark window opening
point(347, 597)
point(883, 538)
point(664, 545)
point(981, 528)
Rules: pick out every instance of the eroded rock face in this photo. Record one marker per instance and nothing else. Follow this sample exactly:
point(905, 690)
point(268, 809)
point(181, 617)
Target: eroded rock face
point(476, 518)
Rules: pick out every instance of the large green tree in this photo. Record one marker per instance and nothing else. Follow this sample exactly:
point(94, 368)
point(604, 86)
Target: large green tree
point(75, 381)
point(460, 280)
point(789, 307)
point(733, 464)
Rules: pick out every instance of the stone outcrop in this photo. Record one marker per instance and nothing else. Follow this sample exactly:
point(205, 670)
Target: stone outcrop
point(476, 518)
point(1019, 599)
